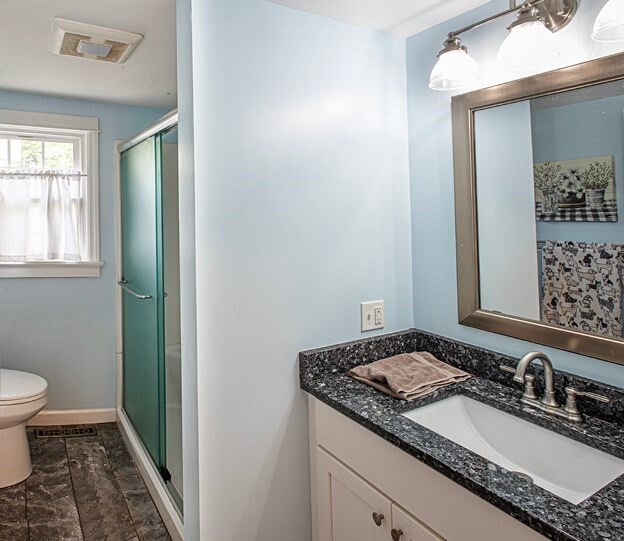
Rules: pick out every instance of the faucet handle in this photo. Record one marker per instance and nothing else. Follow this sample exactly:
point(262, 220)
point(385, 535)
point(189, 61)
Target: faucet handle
point(571, 405)
point(596, 397)
point(571, 392)
point(529, 387)
point(529, 382)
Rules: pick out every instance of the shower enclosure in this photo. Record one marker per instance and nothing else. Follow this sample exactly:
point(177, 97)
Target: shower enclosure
point(150, 300)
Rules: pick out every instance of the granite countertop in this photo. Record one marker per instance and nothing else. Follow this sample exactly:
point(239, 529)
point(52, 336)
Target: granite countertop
point(600, 517)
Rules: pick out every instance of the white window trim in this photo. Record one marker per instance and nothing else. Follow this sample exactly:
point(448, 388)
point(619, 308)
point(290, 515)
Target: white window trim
point(88, 130)
point(51, 269)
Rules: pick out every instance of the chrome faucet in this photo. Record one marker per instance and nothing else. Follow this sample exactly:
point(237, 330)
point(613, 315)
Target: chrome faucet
point(548, 403)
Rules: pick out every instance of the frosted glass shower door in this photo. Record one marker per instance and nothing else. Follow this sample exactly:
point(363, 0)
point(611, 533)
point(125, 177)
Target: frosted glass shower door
point(143, 296)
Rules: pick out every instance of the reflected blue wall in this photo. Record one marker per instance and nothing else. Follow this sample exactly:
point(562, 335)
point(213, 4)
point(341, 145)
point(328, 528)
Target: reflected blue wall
point(582, 130)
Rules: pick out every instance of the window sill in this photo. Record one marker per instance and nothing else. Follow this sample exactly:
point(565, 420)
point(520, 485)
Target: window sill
point(51, 269)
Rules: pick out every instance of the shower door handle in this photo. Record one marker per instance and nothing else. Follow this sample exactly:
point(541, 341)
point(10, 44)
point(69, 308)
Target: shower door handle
point(124, 285)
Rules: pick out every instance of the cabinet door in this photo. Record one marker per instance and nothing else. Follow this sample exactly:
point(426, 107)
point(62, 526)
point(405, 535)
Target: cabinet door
point(406, 528)
point(349, 509)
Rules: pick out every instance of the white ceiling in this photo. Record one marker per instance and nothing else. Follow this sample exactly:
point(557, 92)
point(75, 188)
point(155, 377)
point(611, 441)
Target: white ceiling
point(400, 17)
point(148, 77)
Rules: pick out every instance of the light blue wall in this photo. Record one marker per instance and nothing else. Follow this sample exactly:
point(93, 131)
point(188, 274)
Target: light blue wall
point(302, 212)
point(431, 164)
point(64, 328)
point(582, 130)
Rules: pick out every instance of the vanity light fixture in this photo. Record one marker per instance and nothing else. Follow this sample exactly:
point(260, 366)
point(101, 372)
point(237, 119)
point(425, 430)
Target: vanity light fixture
point(530, 42)
point(455, 67)
point(609, 25)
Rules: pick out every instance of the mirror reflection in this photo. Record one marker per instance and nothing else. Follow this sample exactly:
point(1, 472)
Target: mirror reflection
point(549, 175)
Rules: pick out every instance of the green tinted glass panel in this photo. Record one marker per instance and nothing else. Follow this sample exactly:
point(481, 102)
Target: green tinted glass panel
point(143, 319)
point(171, 257)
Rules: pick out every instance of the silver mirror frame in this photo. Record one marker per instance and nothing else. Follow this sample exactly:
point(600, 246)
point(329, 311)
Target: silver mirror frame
point(464, 106)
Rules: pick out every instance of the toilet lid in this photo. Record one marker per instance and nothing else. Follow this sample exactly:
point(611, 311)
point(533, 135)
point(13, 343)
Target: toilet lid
point(15, 385)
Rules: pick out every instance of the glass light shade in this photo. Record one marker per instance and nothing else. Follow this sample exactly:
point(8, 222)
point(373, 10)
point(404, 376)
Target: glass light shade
point(528, 44)
point(453, 70)
point(609, 25)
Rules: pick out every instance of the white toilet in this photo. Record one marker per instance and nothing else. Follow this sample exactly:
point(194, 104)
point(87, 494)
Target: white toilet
point(22, 396)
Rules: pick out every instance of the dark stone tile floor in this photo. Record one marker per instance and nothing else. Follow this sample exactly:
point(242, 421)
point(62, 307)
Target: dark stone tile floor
point(82, 489)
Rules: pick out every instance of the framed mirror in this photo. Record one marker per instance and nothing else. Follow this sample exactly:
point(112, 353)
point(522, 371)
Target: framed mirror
point(539, 208)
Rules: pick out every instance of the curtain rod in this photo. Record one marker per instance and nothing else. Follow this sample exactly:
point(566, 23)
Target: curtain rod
point(15, 173)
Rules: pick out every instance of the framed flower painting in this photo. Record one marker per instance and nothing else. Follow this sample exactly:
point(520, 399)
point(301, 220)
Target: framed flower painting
point(581, 190)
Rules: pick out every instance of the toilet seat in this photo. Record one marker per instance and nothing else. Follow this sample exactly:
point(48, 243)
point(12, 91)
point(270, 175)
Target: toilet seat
point(20, 387)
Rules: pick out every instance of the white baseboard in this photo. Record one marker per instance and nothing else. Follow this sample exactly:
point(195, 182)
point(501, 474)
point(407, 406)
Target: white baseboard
point(153, 481)
point(73, 417)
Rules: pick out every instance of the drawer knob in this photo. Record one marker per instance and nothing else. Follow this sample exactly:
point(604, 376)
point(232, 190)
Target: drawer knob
point(378, 518)
point(396, 534)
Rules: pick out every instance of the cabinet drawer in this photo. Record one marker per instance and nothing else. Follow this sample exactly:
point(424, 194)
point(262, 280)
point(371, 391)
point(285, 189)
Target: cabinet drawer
point(407, 528)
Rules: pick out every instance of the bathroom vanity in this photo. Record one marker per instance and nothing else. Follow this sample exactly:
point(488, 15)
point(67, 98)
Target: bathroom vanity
point(367, 489)
point(539, 258)
point(378, 474)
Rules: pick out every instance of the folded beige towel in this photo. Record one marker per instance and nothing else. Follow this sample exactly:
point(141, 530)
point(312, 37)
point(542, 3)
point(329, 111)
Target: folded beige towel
point(409, 375)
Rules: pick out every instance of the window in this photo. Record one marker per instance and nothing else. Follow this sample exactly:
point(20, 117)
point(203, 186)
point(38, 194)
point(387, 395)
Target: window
point(31, 152)
point(49, 225)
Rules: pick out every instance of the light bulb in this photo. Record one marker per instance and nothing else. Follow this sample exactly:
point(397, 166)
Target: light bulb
point(455, 67)
point(609, 25)
point(529, 43)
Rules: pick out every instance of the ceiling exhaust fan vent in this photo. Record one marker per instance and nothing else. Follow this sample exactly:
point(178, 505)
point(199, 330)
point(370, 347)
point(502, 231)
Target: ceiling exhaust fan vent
point(71, 38)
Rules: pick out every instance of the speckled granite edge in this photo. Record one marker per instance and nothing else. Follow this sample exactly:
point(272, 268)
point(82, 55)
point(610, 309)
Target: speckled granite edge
point(320, 363)
point(600, 517)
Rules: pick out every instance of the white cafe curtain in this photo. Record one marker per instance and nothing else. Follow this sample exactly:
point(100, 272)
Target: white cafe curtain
point(40, 216)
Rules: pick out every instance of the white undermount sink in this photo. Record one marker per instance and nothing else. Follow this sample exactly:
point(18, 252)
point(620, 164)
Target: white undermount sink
point(571, 470)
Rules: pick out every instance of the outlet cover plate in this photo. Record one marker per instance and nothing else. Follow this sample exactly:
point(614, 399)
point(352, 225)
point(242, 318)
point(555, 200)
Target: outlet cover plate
point(372, 315)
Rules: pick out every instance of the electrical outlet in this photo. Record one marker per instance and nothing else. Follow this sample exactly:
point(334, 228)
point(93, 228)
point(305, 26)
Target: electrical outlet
point(372, 314)
point(379, 315)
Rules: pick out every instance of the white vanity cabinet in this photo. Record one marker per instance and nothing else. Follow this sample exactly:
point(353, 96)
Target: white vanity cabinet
point(353, 510)
point(366, 489)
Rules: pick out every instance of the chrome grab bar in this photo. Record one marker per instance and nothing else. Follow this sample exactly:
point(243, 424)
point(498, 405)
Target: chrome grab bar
point(124, 285)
